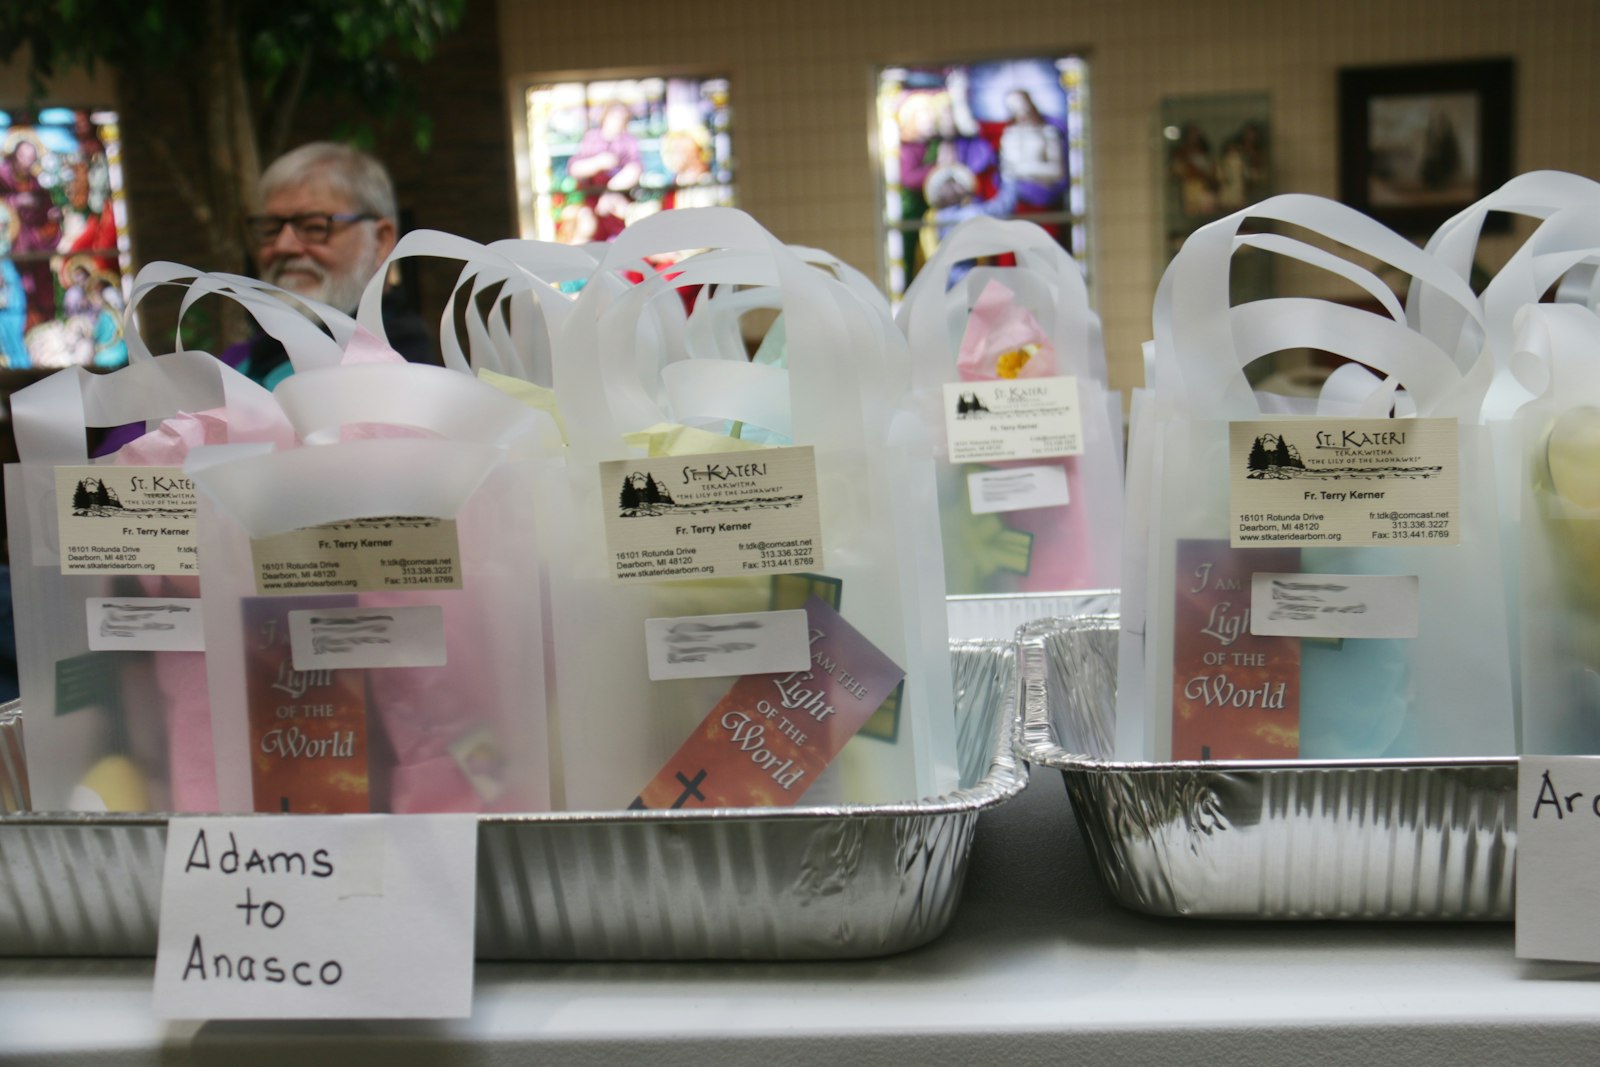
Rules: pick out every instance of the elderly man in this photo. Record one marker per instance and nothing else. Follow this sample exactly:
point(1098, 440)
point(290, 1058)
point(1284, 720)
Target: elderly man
point(327, 224)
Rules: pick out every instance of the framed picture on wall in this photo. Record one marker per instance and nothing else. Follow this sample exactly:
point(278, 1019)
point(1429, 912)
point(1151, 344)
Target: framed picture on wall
point(1419, 143)
point(1214, 156)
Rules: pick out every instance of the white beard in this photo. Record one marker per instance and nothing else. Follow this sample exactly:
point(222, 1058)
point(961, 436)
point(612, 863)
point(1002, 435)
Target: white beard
point(341, 290)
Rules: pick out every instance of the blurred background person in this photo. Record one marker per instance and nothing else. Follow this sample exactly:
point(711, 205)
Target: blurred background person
point(328, 221)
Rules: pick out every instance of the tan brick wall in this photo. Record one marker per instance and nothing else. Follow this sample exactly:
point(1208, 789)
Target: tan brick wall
point(802, 85)
point(802, 96)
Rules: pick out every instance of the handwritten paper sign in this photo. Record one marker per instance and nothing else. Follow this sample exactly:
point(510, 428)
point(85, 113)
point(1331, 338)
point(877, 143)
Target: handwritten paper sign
point(1558, 857)
point(306, 917)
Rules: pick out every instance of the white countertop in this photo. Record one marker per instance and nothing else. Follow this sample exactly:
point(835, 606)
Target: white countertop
point(1038, 966)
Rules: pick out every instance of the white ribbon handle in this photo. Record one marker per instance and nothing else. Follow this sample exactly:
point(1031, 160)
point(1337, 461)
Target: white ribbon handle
point(271, 307)
point(1066, 318)
point(1197, 355)
point(485, 267)
point(825, 378)
point(1538, 194)
point(50, 417)
point(713, 331)
point(1555, 347)
point(1566, 239)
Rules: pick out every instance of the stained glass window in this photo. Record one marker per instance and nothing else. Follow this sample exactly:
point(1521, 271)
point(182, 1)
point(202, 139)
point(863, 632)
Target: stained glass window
point(1004, 138)
point(596, 155)
point(64, 261)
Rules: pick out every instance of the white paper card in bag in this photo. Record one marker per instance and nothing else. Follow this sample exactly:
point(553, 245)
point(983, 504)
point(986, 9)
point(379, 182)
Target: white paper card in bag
point(389, 554)
point(712, 515)
point(1315, 482)
point(145, 624)
point(1014, 418)
point(1334, 605)
point(125, 520)
point(1558, 857)
point(1017, 489)
point(317, 917)
point(402, 636)
point(721, 646)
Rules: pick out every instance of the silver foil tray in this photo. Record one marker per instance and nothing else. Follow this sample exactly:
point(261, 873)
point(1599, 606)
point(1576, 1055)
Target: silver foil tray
point(764, 883)
point(1240, 839)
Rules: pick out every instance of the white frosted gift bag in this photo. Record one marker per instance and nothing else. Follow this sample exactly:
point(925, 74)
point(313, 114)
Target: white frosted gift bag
point(373, 599)
point(1559, 435)
point(1554, 257)
point(1370, 622)
point(1537, 194)
point(1034, 503)
point(111, 654)
point(630, 396)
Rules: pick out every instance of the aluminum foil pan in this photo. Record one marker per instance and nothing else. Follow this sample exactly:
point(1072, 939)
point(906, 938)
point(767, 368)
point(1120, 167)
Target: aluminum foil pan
point(794, 883)
point(996, 616)
point(1244, 839)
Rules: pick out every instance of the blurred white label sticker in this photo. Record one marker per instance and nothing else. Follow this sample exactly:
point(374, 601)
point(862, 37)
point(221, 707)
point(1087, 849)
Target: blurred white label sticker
point(145, 624)
point(331, 638)
point(1017, 489)
point(717, 646)
point(1333, 605)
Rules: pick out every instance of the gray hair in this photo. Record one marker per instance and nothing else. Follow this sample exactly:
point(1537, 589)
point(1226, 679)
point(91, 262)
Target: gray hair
point(348, 171)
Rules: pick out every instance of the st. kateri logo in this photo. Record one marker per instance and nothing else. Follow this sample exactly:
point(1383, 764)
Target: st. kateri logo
point(969, 406)
point(643, 495)
point(94, 497)
point(1272, 456)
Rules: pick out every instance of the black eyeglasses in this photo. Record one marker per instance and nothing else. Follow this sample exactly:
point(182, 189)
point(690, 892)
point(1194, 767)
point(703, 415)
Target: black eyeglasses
point(308, 229)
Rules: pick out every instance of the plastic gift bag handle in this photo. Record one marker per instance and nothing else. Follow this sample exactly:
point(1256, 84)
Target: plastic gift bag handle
point(1554, 350)
point(1538, 194)
point(817, 382)
point(1071, 326)
point(524, 325)
point(306, 345)
point(1199, 365)
point(50, 417)
point(484, 267)
point(1565, 240)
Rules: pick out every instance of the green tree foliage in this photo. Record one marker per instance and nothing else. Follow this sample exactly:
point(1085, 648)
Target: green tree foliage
point(1258, 456)
point(250, 66)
